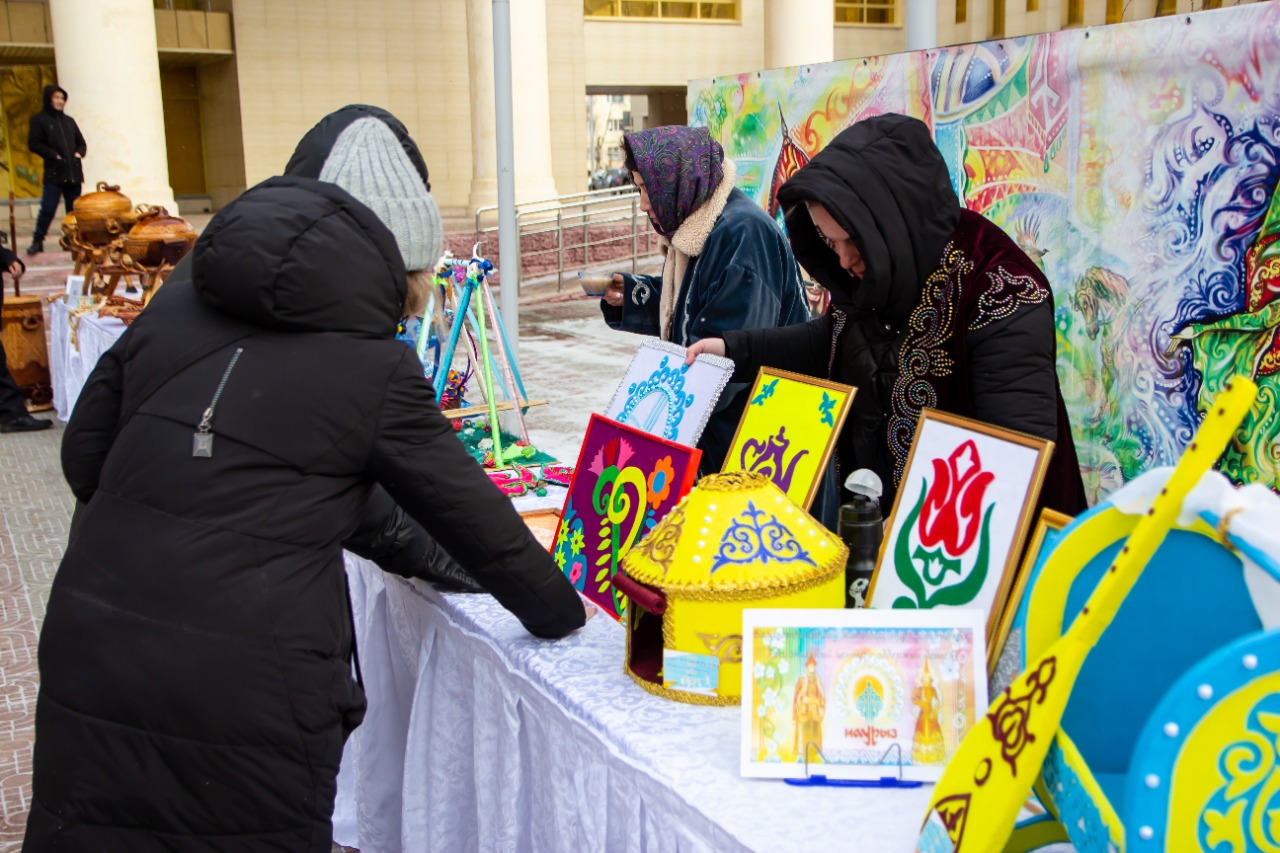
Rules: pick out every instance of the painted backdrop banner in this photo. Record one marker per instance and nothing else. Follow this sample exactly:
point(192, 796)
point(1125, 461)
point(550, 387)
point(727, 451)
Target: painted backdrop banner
point(1138, 163)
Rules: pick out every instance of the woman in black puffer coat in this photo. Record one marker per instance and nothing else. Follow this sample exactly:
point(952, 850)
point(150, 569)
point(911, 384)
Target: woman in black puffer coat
point(195, 662)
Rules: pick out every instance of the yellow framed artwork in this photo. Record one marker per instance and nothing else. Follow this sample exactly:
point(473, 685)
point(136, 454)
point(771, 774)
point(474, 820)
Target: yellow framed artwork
point(788, 431)
point(970, 490)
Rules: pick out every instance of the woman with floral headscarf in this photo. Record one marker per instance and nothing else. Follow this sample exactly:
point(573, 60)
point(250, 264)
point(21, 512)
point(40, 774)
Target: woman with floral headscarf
point(726, 266)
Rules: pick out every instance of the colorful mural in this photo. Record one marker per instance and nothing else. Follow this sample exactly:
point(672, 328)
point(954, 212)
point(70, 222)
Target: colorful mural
point(1136, 163)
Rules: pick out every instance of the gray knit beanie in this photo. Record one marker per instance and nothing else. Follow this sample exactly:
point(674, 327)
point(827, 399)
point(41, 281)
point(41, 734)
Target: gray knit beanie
point(368, 161)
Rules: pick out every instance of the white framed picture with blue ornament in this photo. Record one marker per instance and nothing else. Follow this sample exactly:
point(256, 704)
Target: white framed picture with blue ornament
point(661, 395)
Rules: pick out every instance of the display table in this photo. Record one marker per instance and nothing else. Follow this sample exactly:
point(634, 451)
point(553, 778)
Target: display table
point(71, 363)
point(480, 737)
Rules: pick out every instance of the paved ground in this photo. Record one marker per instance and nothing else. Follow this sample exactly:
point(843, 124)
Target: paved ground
point(567, 355)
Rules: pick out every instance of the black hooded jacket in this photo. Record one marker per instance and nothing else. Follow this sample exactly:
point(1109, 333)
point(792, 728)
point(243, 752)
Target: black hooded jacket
point(196, 682)
point(886, 184)
point(55, 136)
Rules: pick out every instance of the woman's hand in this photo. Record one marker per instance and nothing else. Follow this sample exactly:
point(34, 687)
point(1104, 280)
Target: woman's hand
point(614, 292)
point(711, 346)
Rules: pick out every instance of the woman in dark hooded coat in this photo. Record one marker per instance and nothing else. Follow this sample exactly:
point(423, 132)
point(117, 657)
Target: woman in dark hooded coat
point(932, 306)
point(726, 264)
point(195, 661)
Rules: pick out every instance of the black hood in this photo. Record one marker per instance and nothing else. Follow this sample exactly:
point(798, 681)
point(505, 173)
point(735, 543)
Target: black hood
point(48, 97)
point(296, 254)
point(308, 158)
point(885, 182)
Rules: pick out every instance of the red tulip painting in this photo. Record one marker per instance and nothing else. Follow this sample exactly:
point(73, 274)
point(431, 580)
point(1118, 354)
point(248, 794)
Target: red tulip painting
point(960, 517)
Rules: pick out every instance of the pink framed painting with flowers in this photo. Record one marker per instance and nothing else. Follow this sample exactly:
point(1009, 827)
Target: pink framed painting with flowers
point(625, 482)
point(962, 512)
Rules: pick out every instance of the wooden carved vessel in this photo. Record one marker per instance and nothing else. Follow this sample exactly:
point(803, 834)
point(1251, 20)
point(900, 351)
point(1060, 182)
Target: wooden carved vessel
point(103, 215)
point(159, 239)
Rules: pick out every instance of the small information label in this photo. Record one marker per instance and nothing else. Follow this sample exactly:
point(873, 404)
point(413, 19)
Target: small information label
point(692, 673)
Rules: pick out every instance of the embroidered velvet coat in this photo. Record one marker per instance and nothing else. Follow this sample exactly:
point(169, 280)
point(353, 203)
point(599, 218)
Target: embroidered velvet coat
point(949, 313)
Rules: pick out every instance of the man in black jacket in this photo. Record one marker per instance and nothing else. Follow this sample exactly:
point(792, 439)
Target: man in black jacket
point(13, 409)
point(54, 135)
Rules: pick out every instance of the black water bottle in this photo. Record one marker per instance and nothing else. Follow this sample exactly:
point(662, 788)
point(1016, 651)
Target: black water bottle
point(862, 529)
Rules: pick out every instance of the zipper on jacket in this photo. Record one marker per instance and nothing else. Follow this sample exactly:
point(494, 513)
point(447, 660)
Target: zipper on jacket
point(202, 441)
point(838, 319)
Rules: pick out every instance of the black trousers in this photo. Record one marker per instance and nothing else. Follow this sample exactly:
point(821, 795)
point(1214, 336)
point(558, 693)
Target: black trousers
point(67, 193)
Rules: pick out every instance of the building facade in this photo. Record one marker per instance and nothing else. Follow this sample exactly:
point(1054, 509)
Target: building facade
point(194, 100)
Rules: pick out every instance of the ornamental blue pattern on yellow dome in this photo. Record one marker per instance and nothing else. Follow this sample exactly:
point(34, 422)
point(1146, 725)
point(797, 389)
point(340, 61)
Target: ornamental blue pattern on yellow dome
point(749, 539)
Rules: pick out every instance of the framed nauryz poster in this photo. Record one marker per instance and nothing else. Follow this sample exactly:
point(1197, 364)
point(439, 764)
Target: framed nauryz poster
point(661, 395)
point(961, 514)
point(788, 431)
point(859, 691)
point(625, 482)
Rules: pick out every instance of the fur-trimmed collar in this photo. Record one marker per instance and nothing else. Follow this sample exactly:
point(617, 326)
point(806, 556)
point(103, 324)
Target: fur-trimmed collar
point(692, 235)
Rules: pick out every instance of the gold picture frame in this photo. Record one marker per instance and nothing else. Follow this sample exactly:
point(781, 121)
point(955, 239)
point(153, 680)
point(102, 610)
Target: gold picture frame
point(765, 395)
point(1049, 520)
point(1035, 474)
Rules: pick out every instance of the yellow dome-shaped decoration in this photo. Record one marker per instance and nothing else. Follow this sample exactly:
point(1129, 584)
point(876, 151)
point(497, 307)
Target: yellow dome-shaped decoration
point(735, 541)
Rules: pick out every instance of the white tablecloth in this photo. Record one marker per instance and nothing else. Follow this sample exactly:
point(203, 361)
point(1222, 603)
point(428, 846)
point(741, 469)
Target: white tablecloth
point(481, 738)
point(70, 366)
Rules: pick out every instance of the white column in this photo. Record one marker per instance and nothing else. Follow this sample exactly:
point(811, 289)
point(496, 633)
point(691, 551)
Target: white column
point(107, 62)
point(531, 91)
point(484, 156)
point(798, 32)
point(531, 96)
point(922, 24)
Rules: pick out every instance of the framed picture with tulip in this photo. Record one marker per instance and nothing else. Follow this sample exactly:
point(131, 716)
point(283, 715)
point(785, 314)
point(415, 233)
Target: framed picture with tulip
point(963, 510)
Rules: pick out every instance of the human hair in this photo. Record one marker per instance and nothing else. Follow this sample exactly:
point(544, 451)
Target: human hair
point(415, 297)
point(628, 158)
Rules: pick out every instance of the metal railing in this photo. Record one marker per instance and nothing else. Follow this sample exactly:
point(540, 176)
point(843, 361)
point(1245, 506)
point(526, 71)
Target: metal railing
point(570, 227)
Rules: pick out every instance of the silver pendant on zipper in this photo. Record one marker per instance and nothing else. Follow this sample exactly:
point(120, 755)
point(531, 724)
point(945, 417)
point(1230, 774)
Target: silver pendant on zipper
point(202, 441)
